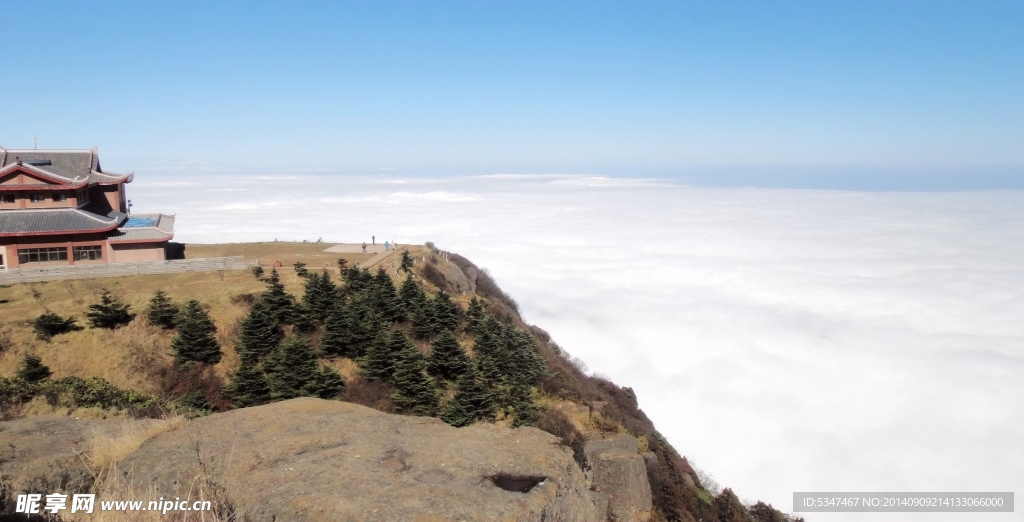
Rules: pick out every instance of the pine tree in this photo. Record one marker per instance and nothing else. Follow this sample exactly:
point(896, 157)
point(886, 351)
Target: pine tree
point(447, 359)
point(326, 383)
point(161, 311)
point(411, 295)
point(32, 369)
point(473, 400)
point(258, 333)
point(109, 313)
point(257, 272)
point(385, 298)
point(446, 313)
point(423, 322)
point(248, 386)
point(337, 335)
point(300, 269)
point(49, 324)
point(379, 362)
point(280, 302)
point(356, 279)
point(521, 406)
point(414, 389)
point(196, 340)
point(319, 296)
point(407, 262)
point(475, 315)
point(289, 369)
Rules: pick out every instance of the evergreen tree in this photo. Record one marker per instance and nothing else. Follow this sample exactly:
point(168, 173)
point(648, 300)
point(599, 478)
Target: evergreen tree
point(300, 269)
point(326, 383)
point(109, 313)
point(196, 340)
point(302, 318)
point(32, 369)
point(290, 368)
point(248, 386)
point(446, 313)
point(414, 389)
point(257, 272)
point(320, 295)
point(356, 279)
point(351, 326)
point(161, 311)
point(280, 302)
point(475, 315)
point(258, 333)
point(423, 322)
point(407, 262)
point(379, 362)
point(473, 400)
point(447, 359)
point(49, 324)
point(521, 406)
point(385, 298)
point(411, 294)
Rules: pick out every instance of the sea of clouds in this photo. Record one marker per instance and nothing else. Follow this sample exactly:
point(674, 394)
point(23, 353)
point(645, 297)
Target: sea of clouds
point(783, 340)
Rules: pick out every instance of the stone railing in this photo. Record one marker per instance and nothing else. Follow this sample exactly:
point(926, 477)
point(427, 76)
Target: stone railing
point(50, 273)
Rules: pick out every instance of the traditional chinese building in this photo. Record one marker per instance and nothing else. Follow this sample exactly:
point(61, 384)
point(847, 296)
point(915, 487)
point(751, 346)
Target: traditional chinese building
point(58, 207)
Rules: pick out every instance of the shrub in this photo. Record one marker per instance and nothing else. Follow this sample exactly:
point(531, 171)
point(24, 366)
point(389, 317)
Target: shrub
point(161, 311)
point(75, 392)
point(32, 369)
point(196, 340)
point(109, 313)
point(49, 324)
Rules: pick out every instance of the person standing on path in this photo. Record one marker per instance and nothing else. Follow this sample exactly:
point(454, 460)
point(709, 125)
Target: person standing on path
point(364, 247)
point(387, 245)
point(373, 239)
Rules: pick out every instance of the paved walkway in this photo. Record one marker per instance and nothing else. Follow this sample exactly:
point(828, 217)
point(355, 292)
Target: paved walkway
point(355, 248)
point(349, 248)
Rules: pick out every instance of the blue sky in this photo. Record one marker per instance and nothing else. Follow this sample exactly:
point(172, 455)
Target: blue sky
point(919, 95)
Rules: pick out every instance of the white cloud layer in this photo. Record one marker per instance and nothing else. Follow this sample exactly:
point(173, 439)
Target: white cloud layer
point(783, 340)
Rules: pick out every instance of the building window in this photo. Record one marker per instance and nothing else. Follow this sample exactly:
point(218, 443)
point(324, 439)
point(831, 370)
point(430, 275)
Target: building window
point(6, 198)
point(88, 253)
point(60, 197)
point(37, 198)
point(42, 255)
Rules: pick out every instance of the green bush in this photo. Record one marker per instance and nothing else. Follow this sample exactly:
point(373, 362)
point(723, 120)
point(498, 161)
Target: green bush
point(49, 324)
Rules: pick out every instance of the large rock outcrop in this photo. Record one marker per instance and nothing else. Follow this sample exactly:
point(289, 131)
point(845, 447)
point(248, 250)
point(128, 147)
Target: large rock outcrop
point(618, 473)
point(309, 459)
point(47, 454)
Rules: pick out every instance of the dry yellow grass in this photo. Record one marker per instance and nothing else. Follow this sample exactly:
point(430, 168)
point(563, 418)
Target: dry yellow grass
point(106, 450)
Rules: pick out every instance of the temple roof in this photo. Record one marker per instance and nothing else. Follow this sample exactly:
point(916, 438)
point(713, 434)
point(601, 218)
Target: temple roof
point(65, 165)
point(141, 228)
point(54, 221)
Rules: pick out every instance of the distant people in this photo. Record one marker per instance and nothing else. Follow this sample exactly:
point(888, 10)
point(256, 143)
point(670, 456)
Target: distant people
point(364, 247)
point(373, 239)
point(387, 246)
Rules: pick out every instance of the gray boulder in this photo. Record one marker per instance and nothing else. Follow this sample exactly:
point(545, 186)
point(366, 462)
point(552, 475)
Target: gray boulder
point(619, 471)
point(309, 459)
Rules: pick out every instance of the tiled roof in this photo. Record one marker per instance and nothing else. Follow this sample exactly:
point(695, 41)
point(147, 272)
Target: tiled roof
point(162, 230)
point(53, 221)
point(72, 166)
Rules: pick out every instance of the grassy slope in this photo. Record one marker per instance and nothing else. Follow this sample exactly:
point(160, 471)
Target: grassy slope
point(128, 356)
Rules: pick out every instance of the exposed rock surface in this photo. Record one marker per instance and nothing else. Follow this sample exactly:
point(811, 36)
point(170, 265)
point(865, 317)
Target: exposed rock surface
point(458, 280)
point(618, 471)
point(308, 459)
point(46, 454)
